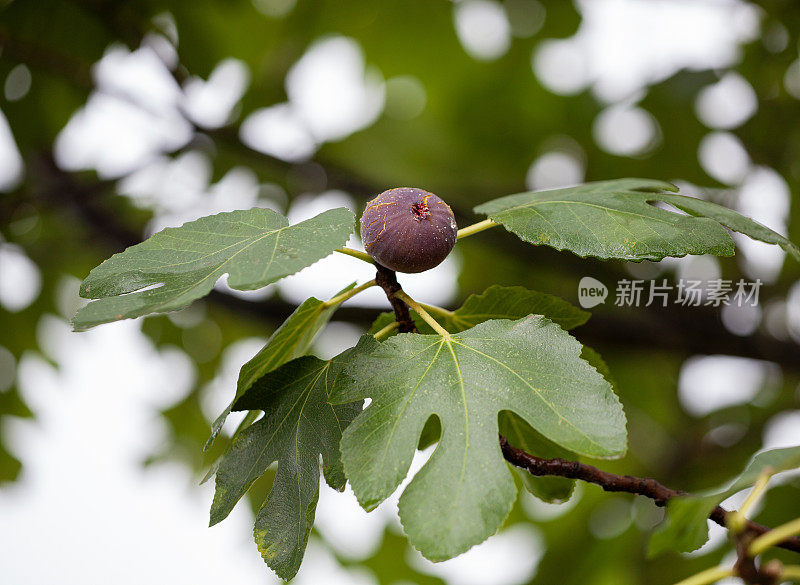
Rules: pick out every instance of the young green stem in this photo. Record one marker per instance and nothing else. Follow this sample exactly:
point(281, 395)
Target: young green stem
point(348, 294)
point(417, 308)
point(437, 310)
point(708, 576)
point(791, 572)
point(383, 333)
point(475, 228)
point(737, 520)
point(773, 537)
point(356, 254)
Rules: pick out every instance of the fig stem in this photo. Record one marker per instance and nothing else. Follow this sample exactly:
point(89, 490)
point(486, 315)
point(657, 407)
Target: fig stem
point(348, 294)
point(475, 228)
point(438, 310)
point(737, 521)
point(773, 537)
point(422, 313)
point(708, 576)
point(356, 254)
point(387, 280)
point(383, 333)
point(791, 572)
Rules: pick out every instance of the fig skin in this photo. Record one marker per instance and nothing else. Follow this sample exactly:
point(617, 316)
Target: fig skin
point(408, 230)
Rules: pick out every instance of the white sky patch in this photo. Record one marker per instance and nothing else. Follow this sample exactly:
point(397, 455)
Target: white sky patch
point(132, 117)
point(331, 95)
point(541, 511)
point(350, 530)
point(782, 430)
point(727, 104)
point(764, 196)
point(554, 169)
point(178, 190)
point(561, 66)
point(702, 268)
point(709, 383)
point(723, 157)
point(137, 112)
point(508, 558)
point(67, 299)
point(115, 137)
point(332, 90)
point(278, 131)
point(652, 39)
point(218, 393)
point(336, 337)
point(319, 566)
point(625, 130)
point(20, 279)
point(483, 28)
point(11, 166)
point(353, 533)
point(140, 76)
point(210, 103)
point(717, 536)
point(741, 320)
point(99, 404)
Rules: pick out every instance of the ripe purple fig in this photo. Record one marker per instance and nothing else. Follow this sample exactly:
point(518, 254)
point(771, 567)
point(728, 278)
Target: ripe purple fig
point(408, 230)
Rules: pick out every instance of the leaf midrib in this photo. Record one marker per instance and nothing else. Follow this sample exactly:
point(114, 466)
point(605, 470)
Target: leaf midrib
point(303, 394)
point(537, 392)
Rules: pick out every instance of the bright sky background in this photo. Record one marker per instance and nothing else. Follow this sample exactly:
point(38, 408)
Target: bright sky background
point(82, 490)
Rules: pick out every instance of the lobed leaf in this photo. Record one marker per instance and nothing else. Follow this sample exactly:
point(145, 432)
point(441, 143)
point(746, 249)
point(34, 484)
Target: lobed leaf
point(176, 266)
point(299, 425)
point(521, 435)
point(685, 527)
point(292, 339)
point(616, 219)
point(530, 367)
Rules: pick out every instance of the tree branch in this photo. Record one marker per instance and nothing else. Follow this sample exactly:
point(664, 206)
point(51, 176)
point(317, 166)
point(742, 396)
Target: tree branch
point(611, 482)
point(387, 280)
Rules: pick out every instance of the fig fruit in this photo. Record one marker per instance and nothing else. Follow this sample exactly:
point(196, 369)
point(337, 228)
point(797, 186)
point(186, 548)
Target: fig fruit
point(408, 230)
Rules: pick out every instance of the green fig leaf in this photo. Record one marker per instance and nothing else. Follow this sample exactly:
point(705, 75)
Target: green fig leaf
point(530, 367)
point(176, 266)
point(616, 219)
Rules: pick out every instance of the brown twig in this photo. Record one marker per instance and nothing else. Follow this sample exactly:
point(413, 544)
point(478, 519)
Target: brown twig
point(746, 567)
point(387, 280)
point(611, 482)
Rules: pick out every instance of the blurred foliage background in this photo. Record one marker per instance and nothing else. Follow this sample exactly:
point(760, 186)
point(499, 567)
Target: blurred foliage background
point(124, 116)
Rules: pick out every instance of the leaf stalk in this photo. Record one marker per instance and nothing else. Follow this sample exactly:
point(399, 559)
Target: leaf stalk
point(774, 536)
point(356, 254)
point(348, 294)
point(707, 576)
point(737, 521)
point(437, 310)
point(791, 572)
point(419, 310)
point(383, 333)
point(475, 228)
